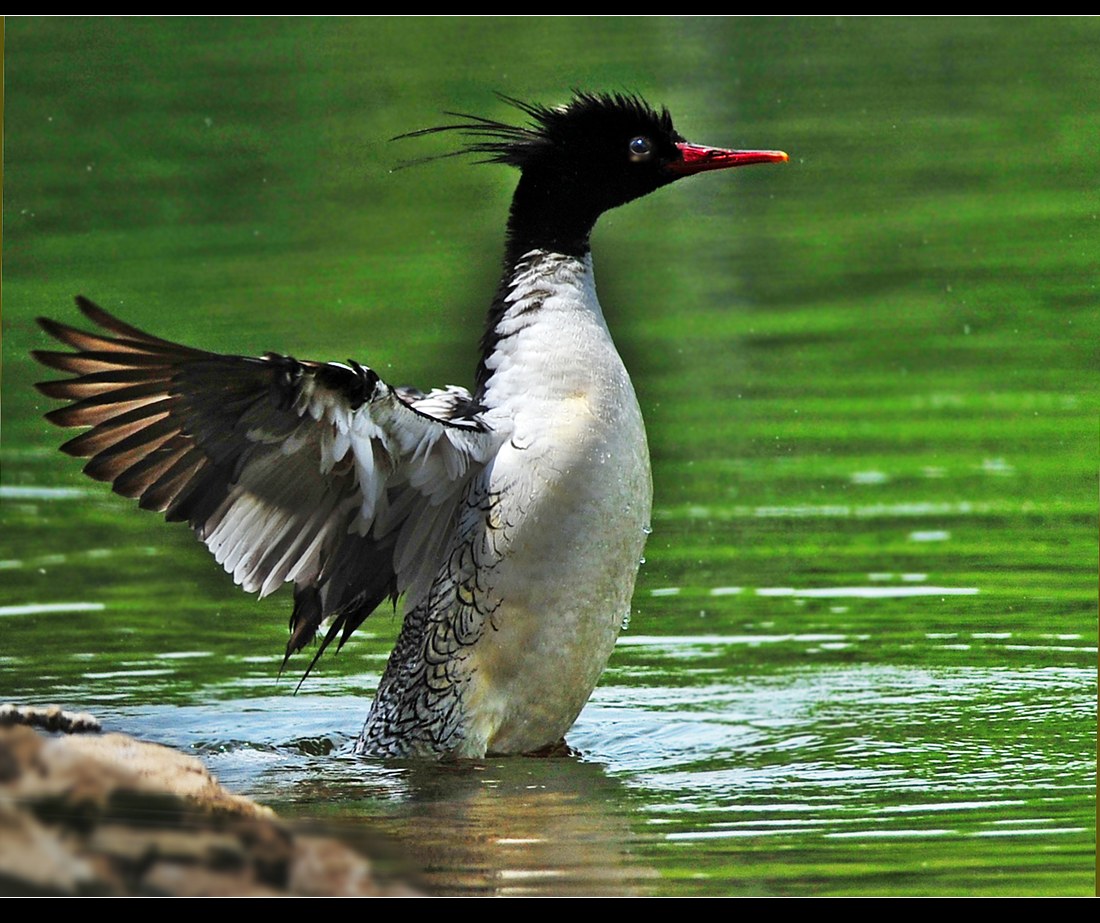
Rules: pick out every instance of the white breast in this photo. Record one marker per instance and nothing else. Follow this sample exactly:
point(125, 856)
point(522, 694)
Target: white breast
point(574, 494)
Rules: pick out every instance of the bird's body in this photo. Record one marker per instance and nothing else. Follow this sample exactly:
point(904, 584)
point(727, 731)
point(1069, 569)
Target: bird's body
point(511, 520)
point(572, 462)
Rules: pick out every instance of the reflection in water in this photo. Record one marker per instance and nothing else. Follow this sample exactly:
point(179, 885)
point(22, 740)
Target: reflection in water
point(498, 826)
point(517, 826)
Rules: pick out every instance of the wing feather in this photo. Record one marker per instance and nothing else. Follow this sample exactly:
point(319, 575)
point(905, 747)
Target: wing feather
point(316, 474)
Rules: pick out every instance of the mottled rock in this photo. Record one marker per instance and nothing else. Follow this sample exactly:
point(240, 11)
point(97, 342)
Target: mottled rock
point(108, 814)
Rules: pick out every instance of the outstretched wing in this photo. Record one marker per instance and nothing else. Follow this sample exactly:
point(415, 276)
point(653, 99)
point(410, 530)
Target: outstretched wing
point(319, 474)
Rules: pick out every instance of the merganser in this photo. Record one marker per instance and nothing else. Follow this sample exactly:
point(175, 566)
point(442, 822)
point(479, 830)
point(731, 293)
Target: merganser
point(512, 520)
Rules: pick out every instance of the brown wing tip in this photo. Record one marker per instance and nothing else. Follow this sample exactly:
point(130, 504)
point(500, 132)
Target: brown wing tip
point(63, 333)
point(44, 387)
point(58, 390)
point(52, 327)
point(89, 309)
point(108, 321)
point(95, 313)
point(62, 416)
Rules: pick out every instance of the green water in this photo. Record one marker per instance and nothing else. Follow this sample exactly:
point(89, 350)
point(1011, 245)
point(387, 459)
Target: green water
point(862, 657)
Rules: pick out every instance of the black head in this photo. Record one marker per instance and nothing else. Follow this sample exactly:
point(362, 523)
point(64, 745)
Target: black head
point(577, 161)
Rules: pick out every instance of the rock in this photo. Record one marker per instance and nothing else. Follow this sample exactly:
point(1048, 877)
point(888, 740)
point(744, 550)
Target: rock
point(111, 815)
point(51, 718)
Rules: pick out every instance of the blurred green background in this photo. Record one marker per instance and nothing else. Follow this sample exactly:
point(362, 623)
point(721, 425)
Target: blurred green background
point(863, 652)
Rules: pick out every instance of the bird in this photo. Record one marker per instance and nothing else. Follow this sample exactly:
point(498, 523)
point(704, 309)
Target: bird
point(509, 520)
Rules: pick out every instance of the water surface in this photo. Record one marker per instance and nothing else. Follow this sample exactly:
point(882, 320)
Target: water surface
point(862, 656)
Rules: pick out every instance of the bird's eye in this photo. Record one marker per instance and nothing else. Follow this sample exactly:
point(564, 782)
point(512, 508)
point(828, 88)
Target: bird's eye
point(640, 149)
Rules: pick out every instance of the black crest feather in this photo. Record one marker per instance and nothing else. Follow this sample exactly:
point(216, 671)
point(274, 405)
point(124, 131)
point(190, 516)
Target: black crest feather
point(548, 128)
